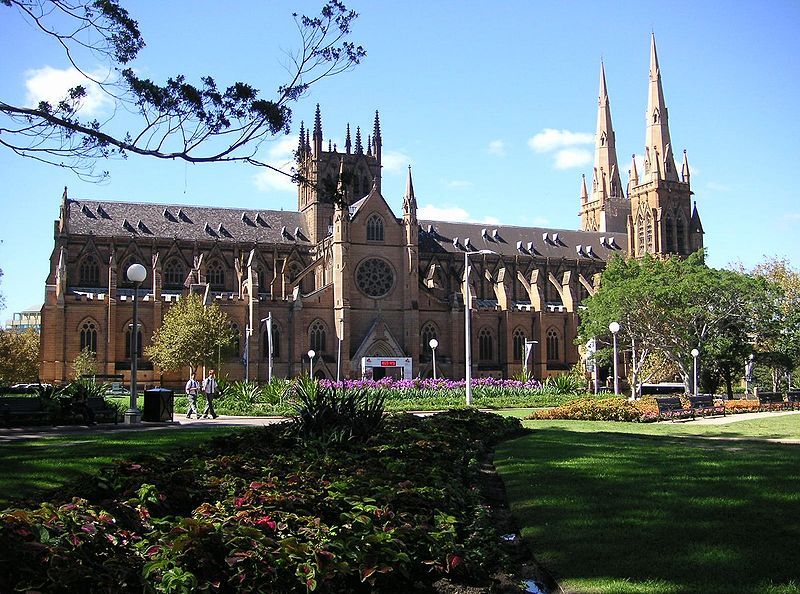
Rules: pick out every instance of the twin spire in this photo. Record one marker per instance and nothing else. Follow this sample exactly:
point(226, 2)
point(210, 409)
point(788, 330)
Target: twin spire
point(659, 160)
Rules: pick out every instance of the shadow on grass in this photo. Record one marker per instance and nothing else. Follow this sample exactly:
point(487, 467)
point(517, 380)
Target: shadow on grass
point(47, 467)
point(612, 512)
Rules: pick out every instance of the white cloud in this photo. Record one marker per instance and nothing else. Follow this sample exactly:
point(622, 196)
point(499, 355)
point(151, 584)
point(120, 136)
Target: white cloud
point(52, 85)
point(459, 183)
point(452, 213)
point(541, 222)
point(280, 155)
point(497, 147)
point(442, 213)
point(395, 161)
point(572, 157)
point(551, 139)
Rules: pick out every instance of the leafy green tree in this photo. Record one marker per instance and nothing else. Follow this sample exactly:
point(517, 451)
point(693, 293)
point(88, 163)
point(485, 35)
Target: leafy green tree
point(85, 363)
point(779, 344)
point(671, 306)
point(191, 335)
point(197, 122)
point(19, 356)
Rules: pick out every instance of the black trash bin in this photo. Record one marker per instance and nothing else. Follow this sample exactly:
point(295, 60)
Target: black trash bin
point(158, 405)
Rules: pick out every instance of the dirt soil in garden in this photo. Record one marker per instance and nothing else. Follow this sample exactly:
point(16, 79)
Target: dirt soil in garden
point(527, 569)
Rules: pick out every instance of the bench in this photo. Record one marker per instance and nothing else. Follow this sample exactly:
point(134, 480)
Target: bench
point(793, 399)
point(117, 389)
point(671, 407)
point(703, 404)
point(103, 410)
point(771, 401)
point(22, 409)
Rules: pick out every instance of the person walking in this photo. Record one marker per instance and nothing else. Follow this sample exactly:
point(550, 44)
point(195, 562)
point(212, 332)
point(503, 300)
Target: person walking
point(192, 387)
point(210, 388)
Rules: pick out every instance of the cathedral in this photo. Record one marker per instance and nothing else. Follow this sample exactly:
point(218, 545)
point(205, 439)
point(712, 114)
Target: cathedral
point(361, 287)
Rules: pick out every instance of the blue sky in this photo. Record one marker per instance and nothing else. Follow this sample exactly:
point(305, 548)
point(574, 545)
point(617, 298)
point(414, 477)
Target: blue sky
point(492, 104)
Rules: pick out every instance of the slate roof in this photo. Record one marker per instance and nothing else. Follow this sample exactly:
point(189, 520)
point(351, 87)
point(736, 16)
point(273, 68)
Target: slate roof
point(509, 240)
point(172, 221)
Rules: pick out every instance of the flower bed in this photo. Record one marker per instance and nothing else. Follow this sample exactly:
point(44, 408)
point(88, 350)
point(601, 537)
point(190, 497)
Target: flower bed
point(263, 512)
point(606, 409)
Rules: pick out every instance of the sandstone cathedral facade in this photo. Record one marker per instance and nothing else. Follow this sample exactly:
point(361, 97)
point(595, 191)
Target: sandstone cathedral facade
point(349, 278)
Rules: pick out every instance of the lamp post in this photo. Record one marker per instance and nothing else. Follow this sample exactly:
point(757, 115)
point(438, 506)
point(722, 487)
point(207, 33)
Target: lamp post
point(695, 353)
point(311, 354)
point(433, 344)
point(614, 328)
point(136, 274)
point(467, 334)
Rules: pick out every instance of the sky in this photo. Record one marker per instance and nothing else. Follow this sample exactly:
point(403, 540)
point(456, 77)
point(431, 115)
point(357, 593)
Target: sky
point(493, 105)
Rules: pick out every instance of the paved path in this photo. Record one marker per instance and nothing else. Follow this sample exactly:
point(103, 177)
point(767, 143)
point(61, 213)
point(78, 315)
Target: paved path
point(18, 433)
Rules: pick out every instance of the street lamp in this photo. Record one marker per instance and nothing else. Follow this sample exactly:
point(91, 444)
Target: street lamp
point(433, 344)
point(311, 354)
point(695, 353)
point(614, 328)
point(136, 274)
point(467, 335)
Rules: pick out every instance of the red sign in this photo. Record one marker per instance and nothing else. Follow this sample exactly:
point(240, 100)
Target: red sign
point(388, 363)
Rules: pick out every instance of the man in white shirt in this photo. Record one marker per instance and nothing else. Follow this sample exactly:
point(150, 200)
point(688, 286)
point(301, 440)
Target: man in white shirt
point(210, 388)
point(192, 387)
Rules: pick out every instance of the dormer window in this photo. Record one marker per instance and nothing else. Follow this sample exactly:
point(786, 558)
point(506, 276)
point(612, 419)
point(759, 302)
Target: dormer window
point(375, 228)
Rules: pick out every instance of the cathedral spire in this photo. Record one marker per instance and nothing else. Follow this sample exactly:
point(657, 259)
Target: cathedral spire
point(685, 168)
point(409, 200)
point(657, 136)
point(301, 144)
point(605, 153)
point(347, 144)
point(317, 132)
point(377, 142)
point(359, 146)
point(633, 175)
point(584, 193)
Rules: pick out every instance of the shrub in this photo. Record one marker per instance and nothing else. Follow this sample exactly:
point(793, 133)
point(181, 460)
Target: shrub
point(343, 414)
point(605, 409)
point(253, 512)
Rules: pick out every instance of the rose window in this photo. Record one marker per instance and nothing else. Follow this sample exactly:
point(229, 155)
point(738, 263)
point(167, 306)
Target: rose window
point(374, 277)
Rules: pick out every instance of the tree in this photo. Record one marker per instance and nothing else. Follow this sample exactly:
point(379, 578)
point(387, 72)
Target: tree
point(779, 345)
point(191, 335)
point(670, 306)
point(196, 122)
point(2, 299)
point(19, 356)
point(85, 363)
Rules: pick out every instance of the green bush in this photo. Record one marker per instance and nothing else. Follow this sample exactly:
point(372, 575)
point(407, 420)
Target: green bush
point(606, 409)
point(253, 512)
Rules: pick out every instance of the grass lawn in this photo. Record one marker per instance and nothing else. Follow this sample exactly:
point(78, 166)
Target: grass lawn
point(29, 468)
point(659, 508)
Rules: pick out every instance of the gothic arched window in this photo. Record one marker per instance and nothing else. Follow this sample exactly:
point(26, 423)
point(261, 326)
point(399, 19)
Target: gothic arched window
point(89, 336)
point(128, 335)
point(553, 350)
point(316, 336)
point(519, 344)
point(375, 228)
point(276, 343)
point(649, 233)
point(640, 234)
point(216, 276)
point(89, 272)
point(485, 345)
point(427, 334)
point(669, 233)
point(174, 274)
point(680, 232)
